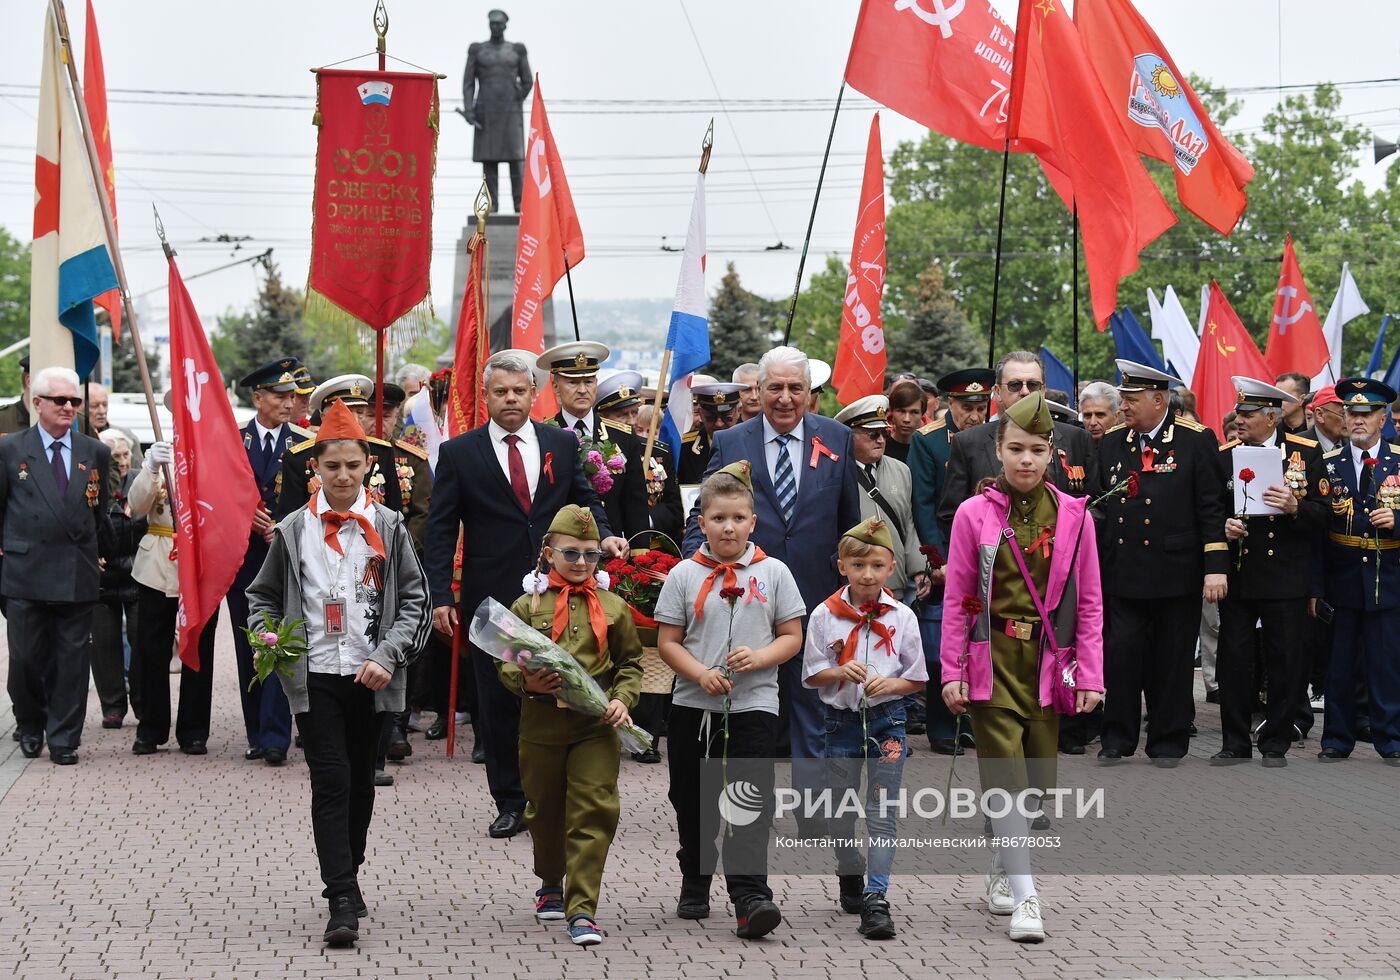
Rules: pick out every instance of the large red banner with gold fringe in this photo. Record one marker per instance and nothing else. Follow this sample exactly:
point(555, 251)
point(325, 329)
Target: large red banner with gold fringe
point(372, 230)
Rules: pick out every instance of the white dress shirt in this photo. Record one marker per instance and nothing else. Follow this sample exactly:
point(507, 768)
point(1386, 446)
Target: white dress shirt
point(263, 432)
point(529, 447)
point(327, 575)
point(66, 442)
point(794, 448)
point(1374, 451)
point(590, 431)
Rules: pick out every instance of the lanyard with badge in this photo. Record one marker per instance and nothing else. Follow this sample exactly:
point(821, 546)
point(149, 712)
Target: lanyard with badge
point(333, 608)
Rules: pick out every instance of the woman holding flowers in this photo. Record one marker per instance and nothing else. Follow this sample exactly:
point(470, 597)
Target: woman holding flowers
point(1021, 552)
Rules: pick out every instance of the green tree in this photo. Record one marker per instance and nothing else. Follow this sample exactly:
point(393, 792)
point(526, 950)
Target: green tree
point(126, 375)
point(935, 337)
point(14, 306)
point(740, 325)
point(270, 329)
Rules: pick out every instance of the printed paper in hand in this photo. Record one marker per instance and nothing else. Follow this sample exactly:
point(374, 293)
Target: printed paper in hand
point(1267, 464)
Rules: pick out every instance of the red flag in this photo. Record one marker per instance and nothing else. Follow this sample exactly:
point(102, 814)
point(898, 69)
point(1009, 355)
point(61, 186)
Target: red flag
point(549, 238)
point(1296, 341)
point(1227, 350)
point(948, 67)
point(860, 352)
point(1164, 118)
point(215, 493)
point(1059, 112)
point(95, 98)
point(466, 403)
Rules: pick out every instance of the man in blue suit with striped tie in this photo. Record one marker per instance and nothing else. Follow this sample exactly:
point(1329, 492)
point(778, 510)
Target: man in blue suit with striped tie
point(805, 496)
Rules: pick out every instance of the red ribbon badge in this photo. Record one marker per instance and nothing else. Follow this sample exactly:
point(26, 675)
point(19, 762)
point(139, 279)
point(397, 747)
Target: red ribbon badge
point(818, 449)
point(549, 467)
point(755, 592)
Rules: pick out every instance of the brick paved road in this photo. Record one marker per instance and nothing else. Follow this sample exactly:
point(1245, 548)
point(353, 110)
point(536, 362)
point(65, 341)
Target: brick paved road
point(182, 867)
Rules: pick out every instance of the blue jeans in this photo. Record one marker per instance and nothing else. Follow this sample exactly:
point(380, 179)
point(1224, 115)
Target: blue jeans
point(881, 743)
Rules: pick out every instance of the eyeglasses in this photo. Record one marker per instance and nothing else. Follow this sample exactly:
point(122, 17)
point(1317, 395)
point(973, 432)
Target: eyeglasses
point(876, 433)
point(61, 400)
point(573, 556)
point(1029, 386)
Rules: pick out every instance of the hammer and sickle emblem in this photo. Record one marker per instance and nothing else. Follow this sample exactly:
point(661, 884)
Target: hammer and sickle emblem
point(941, 16)
point(1286, 320)
point(1225, 349)
point(539, 167)
point(194, 387)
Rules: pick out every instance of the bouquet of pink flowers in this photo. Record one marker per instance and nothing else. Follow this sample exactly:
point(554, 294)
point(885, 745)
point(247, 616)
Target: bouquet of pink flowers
point(601, 460)
point(275, 648)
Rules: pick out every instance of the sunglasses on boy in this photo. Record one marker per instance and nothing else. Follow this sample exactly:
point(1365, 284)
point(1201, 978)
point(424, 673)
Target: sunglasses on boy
point(573, 555)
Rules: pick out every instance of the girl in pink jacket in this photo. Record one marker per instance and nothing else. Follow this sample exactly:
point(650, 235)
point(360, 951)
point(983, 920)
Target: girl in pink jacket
point(997, 662)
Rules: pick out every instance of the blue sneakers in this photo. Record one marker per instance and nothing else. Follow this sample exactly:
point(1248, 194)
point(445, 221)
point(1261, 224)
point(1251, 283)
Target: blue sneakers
point(583, 931)
point(549, 904)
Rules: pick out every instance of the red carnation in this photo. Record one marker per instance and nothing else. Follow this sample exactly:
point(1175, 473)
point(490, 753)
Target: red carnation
point(1132, 490)
point(731, 594)
point(972, 605)
point(869, 608)
point(1247, 475)
point(1371, 460)
point(933, 555)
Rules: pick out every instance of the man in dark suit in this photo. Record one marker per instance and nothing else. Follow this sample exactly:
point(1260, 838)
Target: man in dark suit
point(805, 496)
point(573, 374)
point(267, 718)
point(972, 454)
point(53, 506)
point(505, 480)
point(1163, 551)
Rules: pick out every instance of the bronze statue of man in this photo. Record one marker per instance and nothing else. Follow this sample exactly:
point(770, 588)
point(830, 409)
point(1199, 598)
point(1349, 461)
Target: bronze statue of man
point(494, 88)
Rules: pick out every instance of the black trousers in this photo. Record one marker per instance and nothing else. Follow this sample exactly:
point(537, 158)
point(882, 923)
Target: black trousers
point(150, 659)
point(339, 735)
point(1150, 655)
point(108, 657)
point(1285, 632)
point(499, 731)
point(752, 735)
point(48, 681)
point(267, 718)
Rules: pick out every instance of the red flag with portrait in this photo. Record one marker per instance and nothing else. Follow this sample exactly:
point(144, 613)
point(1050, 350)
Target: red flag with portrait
point(1227, 350)
point(216, 494)
point(860, 352)
point(1296, 341)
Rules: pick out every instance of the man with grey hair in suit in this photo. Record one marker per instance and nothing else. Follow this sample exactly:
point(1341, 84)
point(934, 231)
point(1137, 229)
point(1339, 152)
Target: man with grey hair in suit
point(53, 506)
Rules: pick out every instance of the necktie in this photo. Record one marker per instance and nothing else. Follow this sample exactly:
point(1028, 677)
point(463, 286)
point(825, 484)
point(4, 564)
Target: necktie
point(1148, 454)
point(267, 446)
point(870, 473)
point(518, 481)
point(60, 472)
point(1363, 480)
point(581, 427)
point(785, 483)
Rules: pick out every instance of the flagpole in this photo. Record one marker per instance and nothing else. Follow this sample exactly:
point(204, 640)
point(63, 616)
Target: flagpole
point(381, 30)
point(569, 278)
point(812, 218)
point(996, 260)
point(1074, 295)
point(705, 146)
point(108, 223)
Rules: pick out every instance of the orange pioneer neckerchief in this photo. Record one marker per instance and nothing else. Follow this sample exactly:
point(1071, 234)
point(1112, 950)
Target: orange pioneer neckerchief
point(730, 580)
point(842, 609)
point(588, 588)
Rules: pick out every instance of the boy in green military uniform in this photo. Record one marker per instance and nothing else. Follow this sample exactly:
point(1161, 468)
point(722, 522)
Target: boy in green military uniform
point(569, 761)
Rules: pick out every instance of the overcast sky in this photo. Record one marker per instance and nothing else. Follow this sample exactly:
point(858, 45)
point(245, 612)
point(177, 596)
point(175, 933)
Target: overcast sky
point(230, 163)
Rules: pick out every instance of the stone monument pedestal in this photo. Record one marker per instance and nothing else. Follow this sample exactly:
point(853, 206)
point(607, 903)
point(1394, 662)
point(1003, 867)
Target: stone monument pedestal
point(501, 233)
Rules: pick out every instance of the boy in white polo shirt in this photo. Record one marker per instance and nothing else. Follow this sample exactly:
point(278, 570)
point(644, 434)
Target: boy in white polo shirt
point(864, 656)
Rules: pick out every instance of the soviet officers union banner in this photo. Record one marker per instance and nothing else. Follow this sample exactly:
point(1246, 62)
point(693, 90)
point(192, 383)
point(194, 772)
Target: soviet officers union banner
point(372, 232)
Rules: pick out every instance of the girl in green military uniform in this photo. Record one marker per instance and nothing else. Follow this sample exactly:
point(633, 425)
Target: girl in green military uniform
point(568, 760)
point(999, 664)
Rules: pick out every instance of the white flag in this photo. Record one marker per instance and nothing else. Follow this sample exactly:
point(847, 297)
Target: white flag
point(1172, 327)
point(1347, 306)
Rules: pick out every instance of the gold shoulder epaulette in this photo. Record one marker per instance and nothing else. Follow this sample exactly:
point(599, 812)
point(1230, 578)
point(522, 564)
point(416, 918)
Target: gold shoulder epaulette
point(411, 449)
point(304, 445)
point(1229, 445)
point(1186, 423)
point(375, 440)
point(617, 426)
point(1300, 440)
point(1335, 451)
point(1120, 425)
point(933, 426)
point(1394, 448)
point(691, 436)
point(301, 430)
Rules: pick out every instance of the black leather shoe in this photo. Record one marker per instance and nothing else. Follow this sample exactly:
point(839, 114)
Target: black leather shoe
point(398, 748)
point(852, 890)
point(507, 824)
point(758, 918)
point(14, 735)
point(252, 755)
point(274, 757)
point(1212, 697)
point(195, 746)
point(297, 741)
point(1332, 755)
point(110, 719)
point(361, 909)
point(1363, 734)
point(875, 921)
point(1192, 732)
point(946, 746)
point(1111, 757)
point(1071, 748)
point(1391, 758)
point(479, 754)
point(1165, 762)
point(31, 745)
point(437, 731)
point(650, 757)
point(1227, 758)
point(1275, 760)
point(343, 929)
point(694, 902)
point(1041, 822)
point(142, 747)
point(63, 757)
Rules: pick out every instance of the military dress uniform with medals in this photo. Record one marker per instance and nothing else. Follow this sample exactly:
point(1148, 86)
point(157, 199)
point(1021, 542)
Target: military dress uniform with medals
point(1362, 573)
point(1157, 548)
point(621, 392)
point(267, 718)
point(1271, 580)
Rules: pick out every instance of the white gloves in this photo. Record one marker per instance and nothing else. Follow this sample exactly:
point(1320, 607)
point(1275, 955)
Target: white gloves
point(159, 453)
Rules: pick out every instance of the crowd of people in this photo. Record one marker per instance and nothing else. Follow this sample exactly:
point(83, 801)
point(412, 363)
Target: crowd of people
point(1055, 563)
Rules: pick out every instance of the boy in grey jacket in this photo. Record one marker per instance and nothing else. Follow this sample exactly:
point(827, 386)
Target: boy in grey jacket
point(347, 567)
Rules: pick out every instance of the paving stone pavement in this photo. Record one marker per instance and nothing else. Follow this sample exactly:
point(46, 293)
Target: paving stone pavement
point(172, 866)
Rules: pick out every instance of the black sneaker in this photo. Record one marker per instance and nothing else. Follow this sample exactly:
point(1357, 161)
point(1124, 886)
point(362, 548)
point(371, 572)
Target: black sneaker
point(694, 902)
point(852, 893)
point(343, 929)
point(875, 921)
point(361, 909)
point(758, 918)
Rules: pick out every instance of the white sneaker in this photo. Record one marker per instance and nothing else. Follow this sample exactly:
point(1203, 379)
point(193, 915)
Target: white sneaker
point(1026, 924)
point(1318, 704)
point(416, 722)
point(999, 900)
